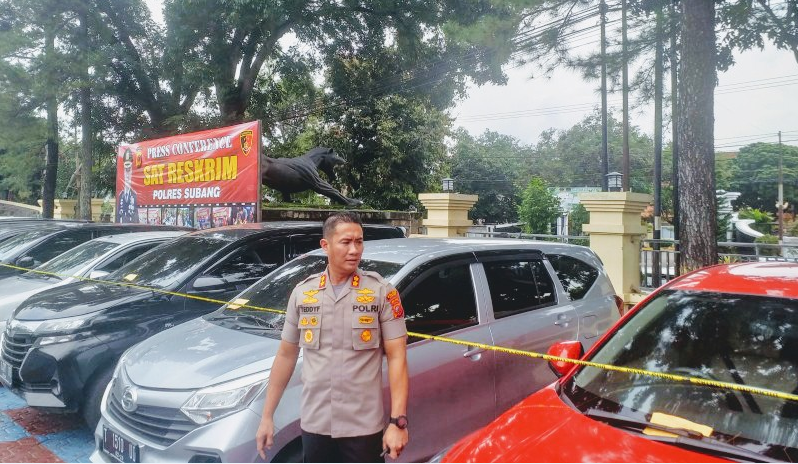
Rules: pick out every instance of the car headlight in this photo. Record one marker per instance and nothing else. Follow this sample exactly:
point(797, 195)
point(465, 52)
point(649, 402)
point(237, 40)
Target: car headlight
point(51, 332)
point(61, 325)
point(212, 403)
point(44, 341)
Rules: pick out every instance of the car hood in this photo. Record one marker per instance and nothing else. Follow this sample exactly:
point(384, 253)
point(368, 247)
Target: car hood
point(197, 354)
point(543, 429)
point(15, 290)
point(77, 299)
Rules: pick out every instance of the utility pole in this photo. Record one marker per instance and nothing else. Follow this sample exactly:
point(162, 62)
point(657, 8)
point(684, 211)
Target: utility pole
point(781, 194)
point(658, 76)
point(625, 58)
point(605, 160)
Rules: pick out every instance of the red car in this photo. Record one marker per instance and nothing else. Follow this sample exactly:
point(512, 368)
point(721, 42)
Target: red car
point(730, 323)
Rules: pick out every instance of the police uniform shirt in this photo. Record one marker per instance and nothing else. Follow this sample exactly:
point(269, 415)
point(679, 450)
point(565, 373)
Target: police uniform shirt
point(341, 337)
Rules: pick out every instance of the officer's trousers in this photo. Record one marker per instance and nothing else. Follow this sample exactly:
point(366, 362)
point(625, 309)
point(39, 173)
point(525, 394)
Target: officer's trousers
point(324, 448)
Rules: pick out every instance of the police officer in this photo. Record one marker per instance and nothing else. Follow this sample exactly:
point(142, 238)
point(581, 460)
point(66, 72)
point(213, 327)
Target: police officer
point(126, 209)
point(343, 319)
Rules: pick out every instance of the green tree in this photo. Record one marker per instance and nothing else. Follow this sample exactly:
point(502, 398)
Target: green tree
point(757, 175)
point(572, 158)
point(578, 217)
point(489, 167)
point(539, 207)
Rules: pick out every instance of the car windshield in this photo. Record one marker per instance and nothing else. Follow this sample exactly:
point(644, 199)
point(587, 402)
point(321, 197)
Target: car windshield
point(270, 295)
point(739, 339)
point(10, 248)
point(170, 263)
point(68, 264)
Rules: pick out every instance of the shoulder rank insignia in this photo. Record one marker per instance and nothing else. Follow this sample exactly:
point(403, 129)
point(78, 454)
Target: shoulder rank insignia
point(323, 280)
point(310, 294)
point(355, 281)
point(365, 335)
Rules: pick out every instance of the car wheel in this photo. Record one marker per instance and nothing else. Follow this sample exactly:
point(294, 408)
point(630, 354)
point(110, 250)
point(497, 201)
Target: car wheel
point(94, 396)
point(291, 453)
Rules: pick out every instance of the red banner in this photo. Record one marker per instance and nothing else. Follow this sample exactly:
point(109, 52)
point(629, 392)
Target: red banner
point(203, 179)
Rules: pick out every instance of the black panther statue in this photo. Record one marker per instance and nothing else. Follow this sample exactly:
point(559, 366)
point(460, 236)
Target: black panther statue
point(292, 175)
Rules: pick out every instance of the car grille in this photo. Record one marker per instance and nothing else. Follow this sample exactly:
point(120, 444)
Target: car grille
point(15, 347)
point(163, 426)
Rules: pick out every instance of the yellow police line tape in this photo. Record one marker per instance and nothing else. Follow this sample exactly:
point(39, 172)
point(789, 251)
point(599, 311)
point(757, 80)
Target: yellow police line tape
point(531, 354)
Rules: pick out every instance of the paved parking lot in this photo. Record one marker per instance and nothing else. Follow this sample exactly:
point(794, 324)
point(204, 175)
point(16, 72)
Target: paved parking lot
point(27, 435)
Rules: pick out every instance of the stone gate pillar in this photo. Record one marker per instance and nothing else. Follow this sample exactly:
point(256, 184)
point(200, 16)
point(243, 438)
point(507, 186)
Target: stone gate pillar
point(615, 231)
point(447, 213)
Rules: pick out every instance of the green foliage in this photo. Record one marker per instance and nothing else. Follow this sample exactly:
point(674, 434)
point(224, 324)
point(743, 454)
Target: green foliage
point(488, 166)
point(768, 239)
point(763, 220)
point(572, 158)
point(539, 207)
point(22, 137)
point(757, 175)
point(578, 217)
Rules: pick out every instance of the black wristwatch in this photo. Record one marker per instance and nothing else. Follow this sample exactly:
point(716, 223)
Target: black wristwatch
point(400, 422)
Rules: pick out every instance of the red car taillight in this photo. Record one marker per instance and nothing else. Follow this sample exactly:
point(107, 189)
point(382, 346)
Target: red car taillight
point(619, 304)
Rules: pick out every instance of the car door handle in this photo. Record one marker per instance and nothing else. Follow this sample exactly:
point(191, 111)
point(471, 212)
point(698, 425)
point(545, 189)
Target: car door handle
point(474, 352)
point(563, 319)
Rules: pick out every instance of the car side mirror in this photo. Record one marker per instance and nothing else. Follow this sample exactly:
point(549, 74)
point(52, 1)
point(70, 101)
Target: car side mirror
point(569, 349)
point(27, 262)
point(97, 274)
point(207, 284)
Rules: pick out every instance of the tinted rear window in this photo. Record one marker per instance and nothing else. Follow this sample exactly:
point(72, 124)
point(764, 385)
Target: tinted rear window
point(575, 275)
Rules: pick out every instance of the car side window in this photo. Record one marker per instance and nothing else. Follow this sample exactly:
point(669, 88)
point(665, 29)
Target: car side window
point(517, 286)
point(251, 261)
point(125, 257)
point(58, 244)
point(301, 244)
point(575, 275)
point(441, 300)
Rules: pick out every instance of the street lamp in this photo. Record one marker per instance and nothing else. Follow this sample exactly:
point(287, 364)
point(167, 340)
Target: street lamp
point(615, 181)
point(448, 184)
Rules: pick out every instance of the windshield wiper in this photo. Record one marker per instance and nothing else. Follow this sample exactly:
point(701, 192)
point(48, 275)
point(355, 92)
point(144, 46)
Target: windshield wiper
point(685, 438)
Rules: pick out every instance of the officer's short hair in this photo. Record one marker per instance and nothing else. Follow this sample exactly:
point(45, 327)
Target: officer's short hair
point(339, 218)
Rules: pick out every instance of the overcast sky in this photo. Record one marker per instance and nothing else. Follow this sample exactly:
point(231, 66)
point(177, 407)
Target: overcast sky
point(754, 100)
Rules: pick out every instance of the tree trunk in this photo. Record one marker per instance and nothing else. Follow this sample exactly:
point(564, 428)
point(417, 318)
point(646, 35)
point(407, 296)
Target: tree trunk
point(86, 161)
point(51, 147)
point(697, 73)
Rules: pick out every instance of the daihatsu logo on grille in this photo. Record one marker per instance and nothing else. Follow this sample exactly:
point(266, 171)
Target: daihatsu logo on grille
point(129, 399)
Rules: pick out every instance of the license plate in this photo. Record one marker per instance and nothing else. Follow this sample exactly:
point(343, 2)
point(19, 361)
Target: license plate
point(5, 372)
point(119, 447)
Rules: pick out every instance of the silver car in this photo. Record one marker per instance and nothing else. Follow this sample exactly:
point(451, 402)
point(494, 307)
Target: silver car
point(93, 259)
point(194, 393)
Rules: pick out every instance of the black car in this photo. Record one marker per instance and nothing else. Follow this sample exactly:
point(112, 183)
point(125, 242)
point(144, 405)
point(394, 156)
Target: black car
point(60, 346)
point(39, 242)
